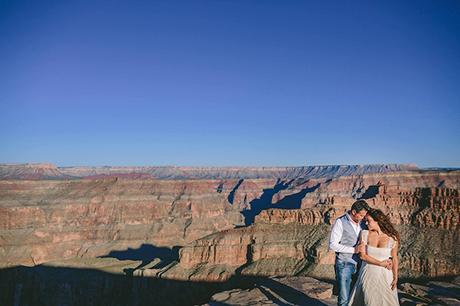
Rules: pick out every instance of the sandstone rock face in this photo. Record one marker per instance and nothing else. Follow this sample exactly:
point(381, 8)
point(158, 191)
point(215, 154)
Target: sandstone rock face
point(343, 190)
point(268, 250)
point(47, 220)
point(428, 199)
point(293, 216)
point(236, 247)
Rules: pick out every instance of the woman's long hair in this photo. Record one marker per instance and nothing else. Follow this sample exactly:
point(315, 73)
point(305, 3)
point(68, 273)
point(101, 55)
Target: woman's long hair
point(384, 223)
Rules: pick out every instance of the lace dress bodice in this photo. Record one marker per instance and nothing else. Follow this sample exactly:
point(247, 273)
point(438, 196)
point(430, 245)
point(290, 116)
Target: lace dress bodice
point(381, 253)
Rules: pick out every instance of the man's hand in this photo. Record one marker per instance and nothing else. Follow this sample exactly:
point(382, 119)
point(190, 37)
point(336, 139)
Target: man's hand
point(388, 264)
point(360, 248)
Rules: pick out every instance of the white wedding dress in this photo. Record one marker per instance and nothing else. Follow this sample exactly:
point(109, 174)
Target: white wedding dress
point(373, 286)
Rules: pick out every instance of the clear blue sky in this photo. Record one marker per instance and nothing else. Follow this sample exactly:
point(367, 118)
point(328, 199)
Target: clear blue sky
point(218, 83)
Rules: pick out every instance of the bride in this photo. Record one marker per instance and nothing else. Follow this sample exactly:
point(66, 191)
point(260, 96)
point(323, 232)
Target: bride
point(376, 285)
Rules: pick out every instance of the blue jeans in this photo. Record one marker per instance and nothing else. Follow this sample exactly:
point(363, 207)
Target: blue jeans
point(343, 273)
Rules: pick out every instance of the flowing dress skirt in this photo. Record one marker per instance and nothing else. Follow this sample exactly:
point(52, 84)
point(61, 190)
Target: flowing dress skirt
point(373, 286)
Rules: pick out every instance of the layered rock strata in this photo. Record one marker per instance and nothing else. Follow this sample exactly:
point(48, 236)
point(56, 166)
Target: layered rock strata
point(294, 241)
point(54, 219)
point(47, 220)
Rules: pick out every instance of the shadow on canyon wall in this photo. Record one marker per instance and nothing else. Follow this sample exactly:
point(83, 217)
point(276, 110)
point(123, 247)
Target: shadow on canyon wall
point(47, 285)
point(370, 192)
point(147, 253)
point(264, 202)
point(292, 201)
point(231, 195)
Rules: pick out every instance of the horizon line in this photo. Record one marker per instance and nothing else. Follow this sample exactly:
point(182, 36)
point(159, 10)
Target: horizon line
point(217, 166)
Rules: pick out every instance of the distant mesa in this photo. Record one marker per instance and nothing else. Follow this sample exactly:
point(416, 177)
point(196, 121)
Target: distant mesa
point(40, 171)
point(133, 175)
point(31, 171)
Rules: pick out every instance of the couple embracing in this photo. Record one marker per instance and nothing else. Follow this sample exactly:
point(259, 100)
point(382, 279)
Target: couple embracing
point(374, 249)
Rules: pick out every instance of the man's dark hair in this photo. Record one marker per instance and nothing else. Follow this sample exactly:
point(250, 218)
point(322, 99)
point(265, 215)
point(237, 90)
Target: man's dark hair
point(360, 205)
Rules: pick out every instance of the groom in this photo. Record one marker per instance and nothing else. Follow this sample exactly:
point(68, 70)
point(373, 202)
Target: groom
point(344, 241)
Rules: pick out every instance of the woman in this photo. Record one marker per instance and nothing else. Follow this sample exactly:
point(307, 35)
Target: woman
point(376, 285)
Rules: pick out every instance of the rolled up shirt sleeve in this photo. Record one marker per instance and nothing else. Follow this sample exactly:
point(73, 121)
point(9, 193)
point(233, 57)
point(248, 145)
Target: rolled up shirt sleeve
point(336, 236)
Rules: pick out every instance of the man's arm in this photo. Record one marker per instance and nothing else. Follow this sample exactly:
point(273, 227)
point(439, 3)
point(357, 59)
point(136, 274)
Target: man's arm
point(336, 236)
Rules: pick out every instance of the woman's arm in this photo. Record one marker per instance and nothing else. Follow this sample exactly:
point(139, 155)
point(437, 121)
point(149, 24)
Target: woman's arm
point(367, 258)
point(371, 260)
point(394, 255)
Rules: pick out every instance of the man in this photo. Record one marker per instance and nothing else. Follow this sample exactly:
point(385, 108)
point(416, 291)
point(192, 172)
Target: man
point(343, 241)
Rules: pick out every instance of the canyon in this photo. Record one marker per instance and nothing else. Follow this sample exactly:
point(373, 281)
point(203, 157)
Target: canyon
point(210, 226)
